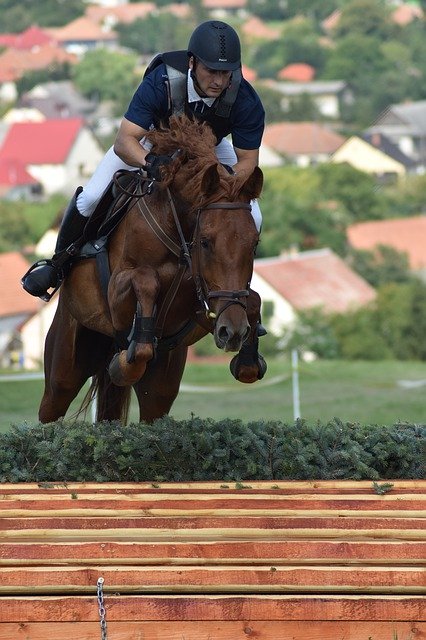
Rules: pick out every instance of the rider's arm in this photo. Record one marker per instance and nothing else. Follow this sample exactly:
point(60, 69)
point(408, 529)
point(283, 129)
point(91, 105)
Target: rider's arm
point(247, 160)
point(127, 143)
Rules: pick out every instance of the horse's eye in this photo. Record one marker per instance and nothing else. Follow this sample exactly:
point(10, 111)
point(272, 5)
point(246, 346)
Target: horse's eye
point(204, 243)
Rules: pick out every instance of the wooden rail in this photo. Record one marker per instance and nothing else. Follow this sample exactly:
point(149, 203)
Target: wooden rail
point(214, 561)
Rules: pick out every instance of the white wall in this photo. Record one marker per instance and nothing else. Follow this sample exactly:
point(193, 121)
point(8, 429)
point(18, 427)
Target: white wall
point(283, 313)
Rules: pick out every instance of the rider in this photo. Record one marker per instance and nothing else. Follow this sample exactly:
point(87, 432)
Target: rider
point(204, 81)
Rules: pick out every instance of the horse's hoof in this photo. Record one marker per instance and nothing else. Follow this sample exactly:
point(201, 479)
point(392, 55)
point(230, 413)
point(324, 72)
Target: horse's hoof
point(248, 373)
point(115, 371)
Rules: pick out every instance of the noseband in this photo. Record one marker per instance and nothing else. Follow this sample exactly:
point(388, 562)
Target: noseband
point(204, 294)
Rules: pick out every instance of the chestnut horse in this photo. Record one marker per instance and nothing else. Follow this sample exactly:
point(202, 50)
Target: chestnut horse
point(180, 264)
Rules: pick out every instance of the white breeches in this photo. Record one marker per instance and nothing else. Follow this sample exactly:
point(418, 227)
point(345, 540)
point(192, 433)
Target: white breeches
point(110, 163)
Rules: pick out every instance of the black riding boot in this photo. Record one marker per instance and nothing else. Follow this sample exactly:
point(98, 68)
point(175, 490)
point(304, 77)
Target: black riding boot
point(48, 274)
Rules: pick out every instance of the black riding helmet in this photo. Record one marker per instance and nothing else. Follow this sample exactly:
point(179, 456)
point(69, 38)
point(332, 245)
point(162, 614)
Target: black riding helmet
point(216, 45)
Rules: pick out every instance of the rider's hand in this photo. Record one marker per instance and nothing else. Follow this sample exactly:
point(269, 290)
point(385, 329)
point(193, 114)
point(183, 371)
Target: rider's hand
point(153, 165)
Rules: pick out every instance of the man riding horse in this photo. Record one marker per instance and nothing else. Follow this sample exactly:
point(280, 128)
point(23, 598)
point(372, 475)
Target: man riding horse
point(205, 82)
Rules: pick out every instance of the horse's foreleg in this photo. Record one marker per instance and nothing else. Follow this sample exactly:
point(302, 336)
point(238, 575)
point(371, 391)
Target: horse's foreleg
point(159, 387)
point(249, 365)
point(132, 294)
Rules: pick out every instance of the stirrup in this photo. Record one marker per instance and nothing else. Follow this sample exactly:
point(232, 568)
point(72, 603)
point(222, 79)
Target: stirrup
point(60, 277)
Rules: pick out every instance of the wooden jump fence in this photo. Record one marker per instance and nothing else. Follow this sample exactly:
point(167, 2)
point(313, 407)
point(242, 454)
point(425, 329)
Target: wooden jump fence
point(213, 561)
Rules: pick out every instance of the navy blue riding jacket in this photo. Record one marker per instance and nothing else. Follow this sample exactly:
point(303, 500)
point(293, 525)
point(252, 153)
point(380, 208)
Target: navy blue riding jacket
point(150, 106)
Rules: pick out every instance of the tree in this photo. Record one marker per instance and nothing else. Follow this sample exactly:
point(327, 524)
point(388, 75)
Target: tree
point(107, 75)
point(384, 264)
point(354, 189)
point(402, 318)
point(366, 18)
point(160, 33)
point(18, 16)
point(268, 9)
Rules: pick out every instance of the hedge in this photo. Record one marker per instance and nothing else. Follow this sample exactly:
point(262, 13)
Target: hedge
point(204, 449)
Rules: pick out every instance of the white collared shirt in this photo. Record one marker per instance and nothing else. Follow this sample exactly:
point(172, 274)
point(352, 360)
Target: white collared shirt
point(193, 96)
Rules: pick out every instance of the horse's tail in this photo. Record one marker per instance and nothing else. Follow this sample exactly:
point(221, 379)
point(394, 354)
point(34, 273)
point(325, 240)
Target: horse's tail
point(112, 402)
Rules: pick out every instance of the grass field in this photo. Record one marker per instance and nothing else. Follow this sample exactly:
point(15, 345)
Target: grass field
point(366, 392)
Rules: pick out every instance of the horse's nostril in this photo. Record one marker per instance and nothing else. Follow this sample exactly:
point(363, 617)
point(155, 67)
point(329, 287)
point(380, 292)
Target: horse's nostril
point(223, 334)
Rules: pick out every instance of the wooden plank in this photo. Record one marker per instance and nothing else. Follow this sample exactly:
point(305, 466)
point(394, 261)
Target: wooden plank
point(214, 579)
point(215, 630)
point(318, 552)
point(214, 607)
point(149, 529)
point(337, 486)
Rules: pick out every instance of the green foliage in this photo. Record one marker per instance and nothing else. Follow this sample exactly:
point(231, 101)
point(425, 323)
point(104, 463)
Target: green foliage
point(107, 75)
point(271, 100)
point(24, 223)
point(53, 73)
point(17, 16)
point(160, 33)
point(364, 17)
point(394, 327)
point(384, 264)
point(195, 449)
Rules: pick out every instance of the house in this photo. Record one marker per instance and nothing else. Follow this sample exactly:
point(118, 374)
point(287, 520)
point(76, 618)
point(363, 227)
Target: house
point(297, 72)
point(59, 99)
point(402, 15)
point(405, 126)
point(82, 35)
point(302, 143)
point(109, 16)
point(297, 282)
point(255, 29)
point(376, 155)
point(16, 183)
point(60, 154)
point(329, 96)
point(33, 332)
point(224, 9)
point(14, 63)
point(16, 306)
point(30, 39)
point(407, 235)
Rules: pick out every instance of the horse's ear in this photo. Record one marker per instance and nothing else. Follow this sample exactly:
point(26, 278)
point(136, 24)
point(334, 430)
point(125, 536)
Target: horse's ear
point(252, 187)
point(210, 181)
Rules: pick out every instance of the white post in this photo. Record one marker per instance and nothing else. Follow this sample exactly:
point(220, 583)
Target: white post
point(93, 409)
point(295, 377)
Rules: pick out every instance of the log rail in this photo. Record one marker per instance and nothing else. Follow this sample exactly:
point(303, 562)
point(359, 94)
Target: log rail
point(326, 560)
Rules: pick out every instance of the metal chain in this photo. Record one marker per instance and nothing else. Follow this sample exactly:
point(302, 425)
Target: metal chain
point(102, 611)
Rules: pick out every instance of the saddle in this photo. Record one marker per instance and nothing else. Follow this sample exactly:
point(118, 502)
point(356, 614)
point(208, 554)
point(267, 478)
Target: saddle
point(125, 187)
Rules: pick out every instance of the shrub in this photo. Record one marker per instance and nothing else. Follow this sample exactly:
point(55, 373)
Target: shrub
point(196, 449)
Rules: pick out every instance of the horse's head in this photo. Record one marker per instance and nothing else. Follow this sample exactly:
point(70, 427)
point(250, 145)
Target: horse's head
point(224, 245)
point(215, 207)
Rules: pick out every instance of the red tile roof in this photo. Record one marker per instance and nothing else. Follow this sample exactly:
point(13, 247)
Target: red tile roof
point(256, 28)
point(403, 234)
point(47, 142)
point(15, 62)
point(315, 279)
point(224, 4)
point(406, 13)
point(81, 29)
point(13, 173)
point(295, 138)
point(126, 13)
point(297, 72)
point(31, 37)
point(13, 299)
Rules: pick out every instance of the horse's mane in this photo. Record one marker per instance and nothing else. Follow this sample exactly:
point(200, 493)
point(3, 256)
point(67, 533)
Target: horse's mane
point(196, 143)
point(192, 136)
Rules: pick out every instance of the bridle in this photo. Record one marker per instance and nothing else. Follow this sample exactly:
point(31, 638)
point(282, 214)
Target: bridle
point(189, 255)
point(204, 294)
